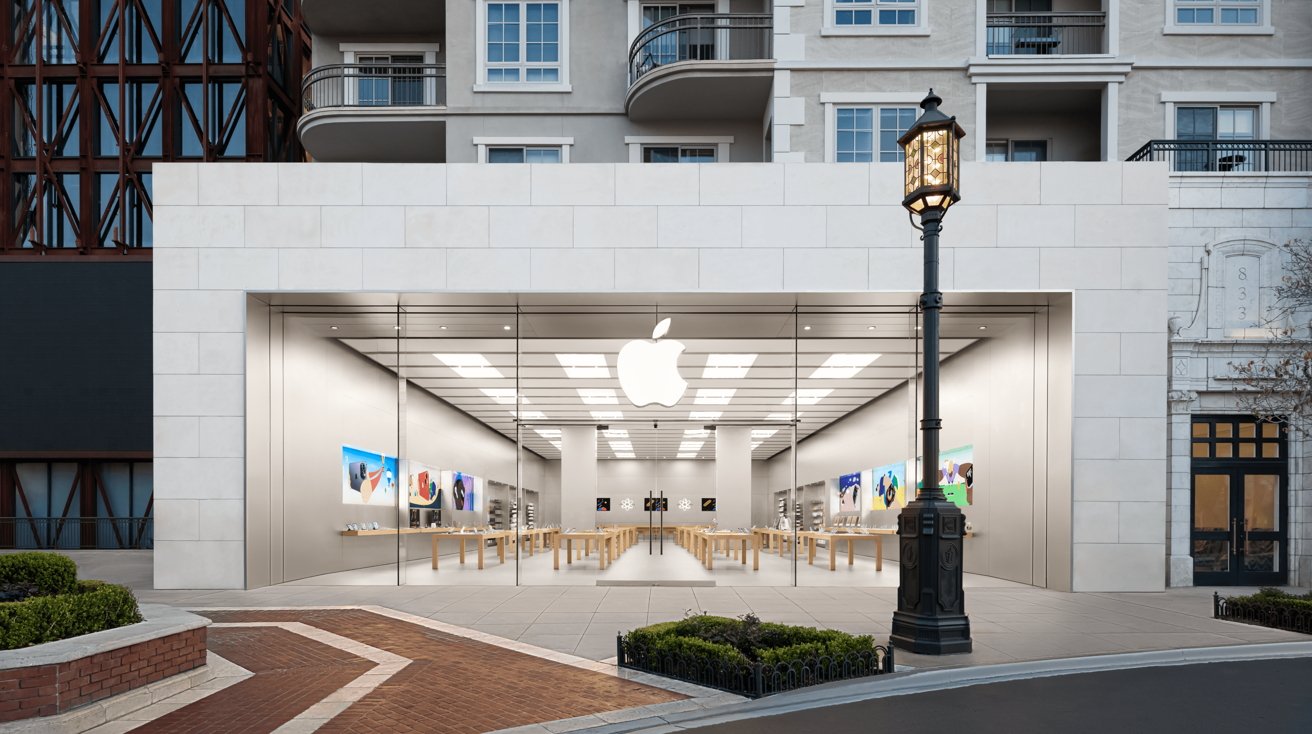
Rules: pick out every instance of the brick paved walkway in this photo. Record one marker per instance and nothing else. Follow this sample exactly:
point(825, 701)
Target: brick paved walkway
point(452, 684)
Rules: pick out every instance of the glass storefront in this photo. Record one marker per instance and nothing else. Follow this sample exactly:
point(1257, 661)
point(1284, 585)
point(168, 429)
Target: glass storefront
point(755, 440)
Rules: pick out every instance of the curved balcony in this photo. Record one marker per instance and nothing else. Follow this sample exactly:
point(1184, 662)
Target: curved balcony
point(357, 19)
point(375, 113)
point(703, 66)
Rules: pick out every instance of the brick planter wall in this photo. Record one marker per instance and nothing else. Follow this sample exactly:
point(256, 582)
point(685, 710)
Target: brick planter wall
point(46, 690)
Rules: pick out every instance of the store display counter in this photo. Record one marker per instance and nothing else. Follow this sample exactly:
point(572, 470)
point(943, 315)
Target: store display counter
point(395, 531)
point(479, 538)
point(705, 543)
point(609, 544)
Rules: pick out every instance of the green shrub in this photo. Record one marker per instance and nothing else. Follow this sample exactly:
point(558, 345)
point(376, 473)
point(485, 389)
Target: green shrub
point(693, 649)
point(51, 573)
point(92, 606)
point(746, 640)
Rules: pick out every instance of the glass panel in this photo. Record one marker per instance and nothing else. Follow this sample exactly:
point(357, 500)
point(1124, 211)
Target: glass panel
point(505, 155)
point(1212, 502)
point(1262, 556)
point(1225, 430)
point(1225, 450)
point(1261, 502)
point(1270, 430)
point(1247, 450)
point(1211, 556)
point(1201, 430)
point(1270, 451)
point(1247, 430)
point(1201, 451)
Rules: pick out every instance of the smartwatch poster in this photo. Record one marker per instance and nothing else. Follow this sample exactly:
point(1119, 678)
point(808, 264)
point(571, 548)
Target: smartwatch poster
point(368, 478)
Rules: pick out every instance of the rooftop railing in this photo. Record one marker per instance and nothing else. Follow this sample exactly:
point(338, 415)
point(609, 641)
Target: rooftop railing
point(1229, 156)
point(701, 37)
point(70, 533)
point(374, 85)
point(1046, 34)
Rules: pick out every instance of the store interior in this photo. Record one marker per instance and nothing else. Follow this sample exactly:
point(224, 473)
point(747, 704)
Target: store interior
point(732, 440)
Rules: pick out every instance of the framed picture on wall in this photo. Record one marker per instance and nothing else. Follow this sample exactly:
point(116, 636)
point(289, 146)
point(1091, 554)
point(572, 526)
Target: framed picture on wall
point(708, 504)
point(424, 487)
point(368, 478)
point(649, 504)
point(603, 504)
point(466, 490)
point(889, 491)
point(849, 492)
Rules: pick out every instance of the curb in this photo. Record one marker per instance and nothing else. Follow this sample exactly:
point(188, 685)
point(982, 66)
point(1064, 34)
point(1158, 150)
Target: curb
point(904, 684)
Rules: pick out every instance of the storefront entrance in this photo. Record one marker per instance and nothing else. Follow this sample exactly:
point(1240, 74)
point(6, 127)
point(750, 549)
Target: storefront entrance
point(1240, 503)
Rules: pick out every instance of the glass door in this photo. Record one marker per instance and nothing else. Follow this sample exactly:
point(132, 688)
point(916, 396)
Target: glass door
point(1239, 504)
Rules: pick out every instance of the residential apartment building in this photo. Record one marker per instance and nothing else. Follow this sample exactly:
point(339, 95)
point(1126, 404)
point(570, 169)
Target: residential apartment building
point(93, 95)
point(1148, 475)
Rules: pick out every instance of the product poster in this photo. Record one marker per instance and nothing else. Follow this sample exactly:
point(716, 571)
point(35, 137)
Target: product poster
point(368, 478)
point(603, 504)
point(650, 504)
point(849, 492)
point(889, 487)
point(956, 475)
point(466, 490)
point(425, 488)
point(708, 504)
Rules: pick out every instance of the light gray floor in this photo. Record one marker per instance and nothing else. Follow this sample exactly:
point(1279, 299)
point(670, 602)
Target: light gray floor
point(1008, 624)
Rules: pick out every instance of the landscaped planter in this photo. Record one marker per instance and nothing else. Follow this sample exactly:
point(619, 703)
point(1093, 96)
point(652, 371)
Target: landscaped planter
point(750, 657)
point(1269, 608)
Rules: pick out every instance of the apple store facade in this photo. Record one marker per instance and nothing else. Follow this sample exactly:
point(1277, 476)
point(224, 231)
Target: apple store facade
point(629, 375)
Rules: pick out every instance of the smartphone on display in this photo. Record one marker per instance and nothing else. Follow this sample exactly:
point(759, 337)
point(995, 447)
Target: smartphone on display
point(358, 473)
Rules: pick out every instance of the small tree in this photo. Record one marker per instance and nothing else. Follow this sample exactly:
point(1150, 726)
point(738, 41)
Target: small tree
point(1279, 384)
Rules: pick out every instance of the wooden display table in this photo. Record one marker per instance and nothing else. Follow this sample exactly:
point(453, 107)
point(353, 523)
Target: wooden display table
point(480, 538)
point(705, 541)
point(628, 535)
point(394, 531)
point(773, 538)
point(685, 535)
point(538, 538)
point(811, 537)
point(607, 544)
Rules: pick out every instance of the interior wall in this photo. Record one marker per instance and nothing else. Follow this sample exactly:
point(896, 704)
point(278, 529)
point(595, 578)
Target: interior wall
point(322, 395)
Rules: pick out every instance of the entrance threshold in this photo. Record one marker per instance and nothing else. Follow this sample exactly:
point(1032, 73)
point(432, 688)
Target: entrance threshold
point(655, 582)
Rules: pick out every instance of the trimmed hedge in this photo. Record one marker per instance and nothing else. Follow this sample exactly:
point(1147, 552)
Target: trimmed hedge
point(745, 641)
point(64, 606)
point(1269, 607)
point(51, 573)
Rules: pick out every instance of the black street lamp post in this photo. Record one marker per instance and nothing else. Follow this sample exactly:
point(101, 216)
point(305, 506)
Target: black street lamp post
point(931, 611)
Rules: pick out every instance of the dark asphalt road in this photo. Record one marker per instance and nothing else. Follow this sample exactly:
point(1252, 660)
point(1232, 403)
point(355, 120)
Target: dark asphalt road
point(1259, 697)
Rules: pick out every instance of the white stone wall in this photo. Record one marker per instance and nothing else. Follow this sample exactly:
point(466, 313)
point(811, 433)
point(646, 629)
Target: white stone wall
point(221, 229)
point(1214, 218)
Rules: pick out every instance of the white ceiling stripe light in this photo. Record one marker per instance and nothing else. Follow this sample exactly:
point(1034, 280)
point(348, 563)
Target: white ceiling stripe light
point(469, 365)
point(693, 446)
point(713, 396)
point(502, 395)
point(548, 433)
point(616, 433)
point(705, 415)
point(584, 366)
point(783, 416)
point(756, 445)
point(696, 433)
point(625, 455)
point(842, 366)
point(529, 415)
point(727, 366)
point(686, 456)
point(808, 396)
point(598, 396)
point(763, 433)
point(607, 415)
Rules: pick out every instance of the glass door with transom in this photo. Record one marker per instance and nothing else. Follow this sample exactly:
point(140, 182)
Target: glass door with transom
point(1239, 502)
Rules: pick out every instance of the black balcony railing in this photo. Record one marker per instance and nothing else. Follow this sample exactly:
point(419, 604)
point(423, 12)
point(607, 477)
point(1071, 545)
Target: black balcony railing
point(701, 37)
point(374, 85)
point(72, 533)
point(1224, 156)
point(1046, 34)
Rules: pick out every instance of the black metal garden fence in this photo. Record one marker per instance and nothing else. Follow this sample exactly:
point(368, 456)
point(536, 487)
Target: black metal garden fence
point(1267, 612)
point(754, 680)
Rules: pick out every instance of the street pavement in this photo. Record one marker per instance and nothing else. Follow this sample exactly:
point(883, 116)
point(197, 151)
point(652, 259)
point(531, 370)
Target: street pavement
point(1263, 696)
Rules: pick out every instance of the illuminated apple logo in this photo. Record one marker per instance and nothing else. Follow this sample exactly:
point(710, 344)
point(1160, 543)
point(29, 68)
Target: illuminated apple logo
point(649, 370)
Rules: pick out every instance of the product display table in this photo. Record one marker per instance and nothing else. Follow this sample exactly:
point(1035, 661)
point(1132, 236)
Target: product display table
point(773, 538)
point(479, 537)
point(628, 535)
point(811, 537)
point(608, 546)
point(705, 542)
point(394, 531)
point(685, 535)
point(537, 538)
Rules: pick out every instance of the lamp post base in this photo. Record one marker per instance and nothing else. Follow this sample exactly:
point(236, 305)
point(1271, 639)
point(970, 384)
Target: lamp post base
point(931, 635)
point(931, 614)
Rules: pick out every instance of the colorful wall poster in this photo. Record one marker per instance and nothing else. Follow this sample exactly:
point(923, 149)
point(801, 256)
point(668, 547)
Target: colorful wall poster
point(465, 490)
point(368, 478)
point(849, 493)
point(603, 504)
point(889, 491)
point(708, 504)
point(425, 487)
point(956, 475)
point(650, 504)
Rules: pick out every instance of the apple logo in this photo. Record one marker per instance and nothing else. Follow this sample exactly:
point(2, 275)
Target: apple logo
point(649, 370)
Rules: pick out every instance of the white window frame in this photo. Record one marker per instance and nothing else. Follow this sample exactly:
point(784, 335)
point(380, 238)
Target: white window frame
point(483, 143)
point(921, 27)
point(833, 100)
point(721, 143)
point(351, 51)
point(480, 45)
point(1261, 100)
point(1263, 27)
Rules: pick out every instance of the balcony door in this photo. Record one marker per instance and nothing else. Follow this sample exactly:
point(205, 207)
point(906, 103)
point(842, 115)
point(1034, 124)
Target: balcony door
point(390, 80)
point(680, 45)
point(1239, 535)
point(1021, 34)
point(1215, 126)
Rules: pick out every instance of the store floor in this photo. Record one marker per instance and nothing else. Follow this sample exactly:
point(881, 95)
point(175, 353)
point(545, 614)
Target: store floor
point(635, 567)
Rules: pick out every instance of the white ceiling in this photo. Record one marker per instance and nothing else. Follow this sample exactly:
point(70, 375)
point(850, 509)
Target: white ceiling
point(407, 342)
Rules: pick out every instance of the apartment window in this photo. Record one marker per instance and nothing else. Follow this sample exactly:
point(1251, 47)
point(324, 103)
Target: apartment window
point(867, 134)
point(524, 42)
point(1214, 124)
point(390, 79)
point(679, 154)
point(849, 13)
point(1016, 151)
point(524, 154)
point(679, 45)
point(1218, 12)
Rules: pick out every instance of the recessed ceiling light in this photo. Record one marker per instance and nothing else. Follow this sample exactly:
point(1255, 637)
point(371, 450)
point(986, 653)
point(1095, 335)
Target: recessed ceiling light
point(843, 366)
point(982, 328)
point(502, 395)
point(808, 397)
point(506, 327)
point(581, 366)
point(917, 328)
point(396, 328)
point(727, 366)
point(607, 415)
point(469, 365)
point(705, 415)
point(334, 328)
point(870, 328)
point(598, 396)
point(712, 396)
point(806, 328)
point(443, 328)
